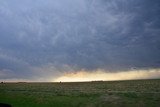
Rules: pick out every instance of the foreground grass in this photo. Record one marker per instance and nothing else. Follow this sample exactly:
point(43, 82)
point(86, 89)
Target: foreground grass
point(138, 93)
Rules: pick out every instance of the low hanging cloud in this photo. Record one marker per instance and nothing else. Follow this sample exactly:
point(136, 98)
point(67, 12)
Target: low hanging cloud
point(101, 75)
point(42, 39)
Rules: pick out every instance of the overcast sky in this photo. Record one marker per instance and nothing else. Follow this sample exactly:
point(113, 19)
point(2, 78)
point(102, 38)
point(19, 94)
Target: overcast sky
point(44, 38)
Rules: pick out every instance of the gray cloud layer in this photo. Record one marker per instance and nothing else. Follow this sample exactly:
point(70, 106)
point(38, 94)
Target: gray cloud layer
point(43, 37)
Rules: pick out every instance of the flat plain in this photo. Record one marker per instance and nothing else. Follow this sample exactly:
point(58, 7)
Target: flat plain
point(130, 93)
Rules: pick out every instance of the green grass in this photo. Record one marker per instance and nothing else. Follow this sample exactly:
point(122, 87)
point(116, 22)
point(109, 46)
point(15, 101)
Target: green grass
point(137, 93)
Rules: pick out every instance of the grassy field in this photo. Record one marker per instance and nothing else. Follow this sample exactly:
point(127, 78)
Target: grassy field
point(135, 93)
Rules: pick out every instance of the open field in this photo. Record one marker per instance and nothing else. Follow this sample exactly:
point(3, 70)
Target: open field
point(135, 93)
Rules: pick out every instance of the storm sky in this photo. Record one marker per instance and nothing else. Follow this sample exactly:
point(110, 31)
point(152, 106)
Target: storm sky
point(42, 39)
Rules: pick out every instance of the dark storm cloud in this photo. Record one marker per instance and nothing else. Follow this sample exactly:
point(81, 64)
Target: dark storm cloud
point(47, 36)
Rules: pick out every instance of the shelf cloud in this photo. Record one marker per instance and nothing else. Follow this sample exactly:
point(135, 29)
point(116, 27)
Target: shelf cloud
point(42, 39)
